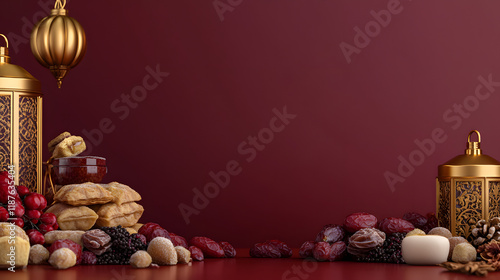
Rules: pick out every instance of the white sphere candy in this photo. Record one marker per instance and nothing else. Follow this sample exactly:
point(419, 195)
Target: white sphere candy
point(425, 249)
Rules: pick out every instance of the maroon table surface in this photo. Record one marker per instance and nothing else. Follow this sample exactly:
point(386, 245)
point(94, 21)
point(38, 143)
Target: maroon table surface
point(244, 267)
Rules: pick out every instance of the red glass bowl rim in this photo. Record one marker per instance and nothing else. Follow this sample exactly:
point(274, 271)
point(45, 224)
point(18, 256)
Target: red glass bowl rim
point(79, 161)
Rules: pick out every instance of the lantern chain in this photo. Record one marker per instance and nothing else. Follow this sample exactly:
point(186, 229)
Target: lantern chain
point(60, 4)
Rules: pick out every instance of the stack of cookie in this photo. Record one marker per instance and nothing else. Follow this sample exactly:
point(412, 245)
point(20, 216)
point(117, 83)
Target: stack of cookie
point(83, 206)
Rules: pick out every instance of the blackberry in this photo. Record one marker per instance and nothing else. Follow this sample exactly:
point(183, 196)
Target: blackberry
point(123, 246)
point(389, 252)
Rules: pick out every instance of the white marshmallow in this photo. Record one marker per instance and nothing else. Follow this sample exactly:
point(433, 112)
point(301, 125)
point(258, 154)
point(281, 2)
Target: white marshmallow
point(425, 249)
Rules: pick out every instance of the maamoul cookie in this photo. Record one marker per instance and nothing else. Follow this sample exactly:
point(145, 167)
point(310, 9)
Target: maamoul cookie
point(112, 214)
point(73, 217)
point(122, 193)
point(83, 194)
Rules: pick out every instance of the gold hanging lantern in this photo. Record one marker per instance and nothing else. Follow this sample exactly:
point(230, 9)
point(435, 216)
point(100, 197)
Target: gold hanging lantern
point(468, 189)
point(20, 122)
point(58, 42)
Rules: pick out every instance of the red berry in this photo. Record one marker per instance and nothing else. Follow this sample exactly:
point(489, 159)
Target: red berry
point(19, 222)
point(45, 228)
point(35, 201)
point(147, 228)
point(48, 218)
point(306, 250)
point(4, 197)
point(18, 209)
point(23, 191)
point(4, 175)
point(393, 225)
point(321, 251)
point(142, 238)
point(209, 247)
point(4, 214)
point(416, 219)
point(229, 251)
point(196, 253)
point(337, 251)
point(178, 240)
point(36, 237)
point(158, 232)
point(55, 226)
point(88, 258)
point(33, 214)
point(66, 243)
point(357, 221)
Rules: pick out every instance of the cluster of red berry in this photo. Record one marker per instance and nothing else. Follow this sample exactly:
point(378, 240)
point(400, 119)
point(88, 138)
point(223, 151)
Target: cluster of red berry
point(25, 209)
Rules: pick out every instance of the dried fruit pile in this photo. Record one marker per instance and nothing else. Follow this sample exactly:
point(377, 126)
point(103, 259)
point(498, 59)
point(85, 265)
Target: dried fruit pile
point(363, 238)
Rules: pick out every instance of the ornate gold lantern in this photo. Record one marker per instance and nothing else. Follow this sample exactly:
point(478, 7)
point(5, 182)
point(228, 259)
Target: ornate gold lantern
point(58, 42)
point(468, 189)
point(20, 122)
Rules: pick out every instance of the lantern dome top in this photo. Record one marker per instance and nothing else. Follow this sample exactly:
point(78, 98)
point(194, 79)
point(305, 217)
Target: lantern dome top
point(14, 77)
point(471, 164)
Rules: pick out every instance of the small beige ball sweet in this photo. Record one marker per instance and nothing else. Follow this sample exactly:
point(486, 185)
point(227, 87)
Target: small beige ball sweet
point(183, 254)
point(440, 231)
point(140, 259)
point(38, 254)
point(162, 251)
point(415, 232)
point(454, 241)
point(464, 253)
point(62, 258)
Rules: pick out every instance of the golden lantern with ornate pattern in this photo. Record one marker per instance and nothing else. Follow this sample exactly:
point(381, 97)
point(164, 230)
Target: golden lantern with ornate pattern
point(20, 122)
point(58, 42)
point(468, 189)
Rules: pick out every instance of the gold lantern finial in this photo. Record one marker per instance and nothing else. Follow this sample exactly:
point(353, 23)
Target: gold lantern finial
point(473, 148)
point(58, 42)
point(4, 51)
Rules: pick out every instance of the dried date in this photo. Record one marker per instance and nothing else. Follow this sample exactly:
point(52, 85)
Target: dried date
point(209, 247)
point(365, 240)
point(416, 219)
point(393, 225)
point(196, 253)
point(96, 241)
point(337, 251)
point(330, 233)
point(229, 251)
point(321, 251)
point(357, 221)
point(306, 250)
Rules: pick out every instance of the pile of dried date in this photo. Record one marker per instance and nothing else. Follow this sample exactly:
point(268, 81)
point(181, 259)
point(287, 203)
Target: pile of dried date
point(363, 238)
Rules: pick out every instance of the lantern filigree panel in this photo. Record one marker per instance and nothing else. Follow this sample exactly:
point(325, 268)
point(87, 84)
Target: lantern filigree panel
point(444, 194)
point(468, 205)
point(494, 199)
point(28, 142)
point(5, 119)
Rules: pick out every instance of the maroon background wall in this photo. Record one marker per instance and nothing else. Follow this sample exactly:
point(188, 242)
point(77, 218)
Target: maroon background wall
point(352, 120)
